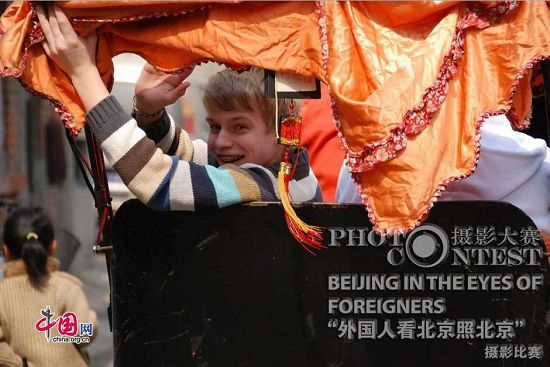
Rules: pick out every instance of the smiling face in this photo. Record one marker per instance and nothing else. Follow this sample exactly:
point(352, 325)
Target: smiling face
point(242, 118)
point(241, 136)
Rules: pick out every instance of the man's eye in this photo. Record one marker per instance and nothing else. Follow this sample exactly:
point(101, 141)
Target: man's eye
point(214, 128)
point(240, 127)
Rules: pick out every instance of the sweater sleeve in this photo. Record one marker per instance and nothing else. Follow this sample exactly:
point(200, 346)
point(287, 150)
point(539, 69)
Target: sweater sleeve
point(179, 181)
point(8, 358)
point(173, 140)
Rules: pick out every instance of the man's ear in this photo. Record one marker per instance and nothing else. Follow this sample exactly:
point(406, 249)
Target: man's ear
point(53, 247)
point(7, 253)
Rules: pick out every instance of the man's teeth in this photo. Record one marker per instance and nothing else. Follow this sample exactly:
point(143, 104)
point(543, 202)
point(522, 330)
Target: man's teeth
point(230, 158)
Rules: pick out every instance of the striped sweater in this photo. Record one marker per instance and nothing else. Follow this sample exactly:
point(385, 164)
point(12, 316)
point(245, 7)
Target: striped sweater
point(166, 170)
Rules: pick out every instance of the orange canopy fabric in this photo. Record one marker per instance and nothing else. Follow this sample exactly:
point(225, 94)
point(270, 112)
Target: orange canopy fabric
point(411, 82)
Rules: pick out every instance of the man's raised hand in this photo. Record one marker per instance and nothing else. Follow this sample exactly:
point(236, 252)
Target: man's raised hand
point(156, 90)
point(72, 53)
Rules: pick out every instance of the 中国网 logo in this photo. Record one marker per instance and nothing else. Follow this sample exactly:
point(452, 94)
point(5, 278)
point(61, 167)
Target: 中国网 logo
point(67, 326)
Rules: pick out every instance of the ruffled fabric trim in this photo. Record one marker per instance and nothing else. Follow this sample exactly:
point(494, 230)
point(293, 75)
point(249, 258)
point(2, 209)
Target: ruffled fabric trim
point(510, 113)
point(418, 117)
point(34, 36)
point(134, 18)
point(323, 35)
point(235, 67)
point(66, 116)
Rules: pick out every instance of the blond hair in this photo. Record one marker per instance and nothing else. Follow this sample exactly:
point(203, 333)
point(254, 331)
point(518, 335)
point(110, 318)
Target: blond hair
point(229, 90)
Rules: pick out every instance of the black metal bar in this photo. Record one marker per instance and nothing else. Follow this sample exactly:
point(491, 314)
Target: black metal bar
point(82, 166)
point(102, 199)
point(101, 189)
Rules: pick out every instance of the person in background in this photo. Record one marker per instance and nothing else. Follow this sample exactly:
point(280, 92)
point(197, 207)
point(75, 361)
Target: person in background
point(31, 286)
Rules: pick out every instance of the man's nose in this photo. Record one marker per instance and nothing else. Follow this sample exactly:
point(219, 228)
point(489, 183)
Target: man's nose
point(224, 139)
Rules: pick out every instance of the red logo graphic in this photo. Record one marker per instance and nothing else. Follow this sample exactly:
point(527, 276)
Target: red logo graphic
point(67, 325)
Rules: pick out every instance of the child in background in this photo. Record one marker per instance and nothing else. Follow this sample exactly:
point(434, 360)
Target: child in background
point(31, 283)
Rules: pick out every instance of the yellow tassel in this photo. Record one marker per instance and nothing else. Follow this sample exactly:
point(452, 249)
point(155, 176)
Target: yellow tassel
point(307, 235)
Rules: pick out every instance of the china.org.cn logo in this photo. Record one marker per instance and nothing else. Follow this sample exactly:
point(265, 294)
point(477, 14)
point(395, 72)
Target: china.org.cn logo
point(67, 326)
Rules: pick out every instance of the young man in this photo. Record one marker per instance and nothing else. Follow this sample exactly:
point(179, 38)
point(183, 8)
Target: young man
point(161, 165)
